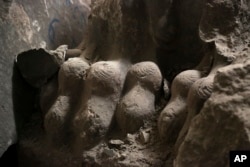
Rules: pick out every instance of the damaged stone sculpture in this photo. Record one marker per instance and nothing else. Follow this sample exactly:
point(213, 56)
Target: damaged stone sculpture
point(105, 103)
point(220, 114)
point(143, 80)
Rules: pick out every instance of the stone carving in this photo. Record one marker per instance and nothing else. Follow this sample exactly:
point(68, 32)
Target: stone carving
point(172, 117)
point(218, 121)
point(143, 80)
point(199, 92)
point(106, 85)
point(71, 77)
point(24, 25)
point(223, 122)
point(100, 95)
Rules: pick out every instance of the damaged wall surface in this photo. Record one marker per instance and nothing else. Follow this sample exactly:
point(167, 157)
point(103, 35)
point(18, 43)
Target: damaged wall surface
point(151, 83)
point(24, 25)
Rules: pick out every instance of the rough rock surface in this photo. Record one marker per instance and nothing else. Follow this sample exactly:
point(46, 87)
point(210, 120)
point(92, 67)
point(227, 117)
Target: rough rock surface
point(227, 24)
point(27, 25)
point(38, 66)
point(223, 123)
point(132, 53)
point(133, 152)
point(143, 80)
point(71, 78)
point(101, 94)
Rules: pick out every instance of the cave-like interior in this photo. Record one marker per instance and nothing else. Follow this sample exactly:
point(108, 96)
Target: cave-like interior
point(122, 83)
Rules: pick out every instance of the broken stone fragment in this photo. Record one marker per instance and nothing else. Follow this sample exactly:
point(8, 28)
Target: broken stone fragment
point(223, 123)
point(130, 138)
point(38, 65)
point(166, 88)
point(59, 54)
point(173, 116)
point(115, 143)
point(199, 92)
point(122, 156)
point(144, 137)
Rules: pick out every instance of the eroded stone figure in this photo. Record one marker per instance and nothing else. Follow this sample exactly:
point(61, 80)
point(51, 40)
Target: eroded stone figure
point(143, 80)
point(112, 88)
point(173, 116)
point(87, 100)
point(113, 77)
point(71, 78)
point(106, 85)
point(100, 95)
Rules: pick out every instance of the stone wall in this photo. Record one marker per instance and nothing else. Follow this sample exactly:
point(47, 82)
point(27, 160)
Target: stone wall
point(156, 82)
point(26, 24)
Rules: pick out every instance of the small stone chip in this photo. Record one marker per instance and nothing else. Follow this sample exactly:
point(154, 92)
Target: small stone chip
point(122, 156)
point(144, 137)
point(116, 142)
point(130, 138)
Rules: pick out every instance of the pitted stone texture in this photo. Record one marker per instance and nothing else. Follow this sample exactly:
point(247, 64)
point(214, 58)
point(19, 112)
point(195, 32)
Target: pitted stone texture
point(122, 28)
point(71, 75)
point(137, 105)
point(199, 92)
point(226, 23)
point(174, 114)
point(223, 123)
point(26, 25)
point(101, 94)
point(57, 120)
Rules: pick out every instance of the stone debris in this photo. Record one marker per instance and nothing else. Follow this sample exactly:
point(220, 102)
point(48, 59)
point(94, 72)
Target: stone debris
point(144, 137)
point(130, 138)
point(110, 153)
point(116, 143)
point(122, 156)
point(124, 85)
point(59, 54)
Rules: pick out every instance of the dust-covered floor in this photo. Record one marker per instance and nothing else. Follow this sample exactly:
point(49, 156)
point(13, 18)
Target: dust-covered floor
point(143, 148)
